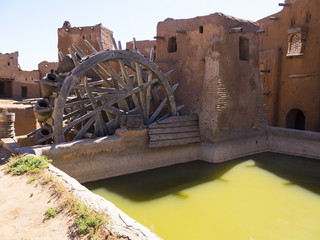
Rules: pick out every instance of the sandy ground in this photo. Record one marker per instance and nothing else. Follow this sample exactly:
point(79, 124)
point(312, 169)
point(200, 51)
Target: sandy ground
point(23, 206)
point(8, 103)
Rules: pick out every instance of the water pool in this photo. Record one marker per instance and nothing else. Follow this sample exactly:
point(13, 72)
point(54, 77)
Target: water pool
point(261, 197)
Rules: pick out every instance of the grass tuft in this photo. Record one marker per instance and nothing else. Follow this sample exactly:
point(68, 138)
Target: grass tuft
point(50, 213)
point(27, 164)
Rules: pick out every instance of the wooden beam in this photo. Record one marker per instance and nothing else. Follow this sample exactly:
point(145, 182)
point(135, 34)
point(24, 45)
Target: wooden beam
point(174, 130)
point(168, 143)
point(173, 124)
point(172, 136)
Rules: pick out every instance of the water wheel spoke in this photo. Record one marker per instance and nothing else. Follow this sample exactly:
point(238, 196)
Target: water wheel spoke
point(78, 112)
point(141, 92)
point(89, 92)
point(115, 75)
point(100, 128)
point(148, 97)
point(85, 128)
point(82, 119)
point(100, 44)
point(131, 92)
point(161, 106)
point(125, 74)
point(104, 75)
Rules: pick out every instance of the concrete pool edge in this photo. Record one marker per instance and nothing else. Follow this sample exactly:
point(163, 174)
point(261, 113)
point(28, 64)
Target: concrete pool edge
point(92, 159)
point(119, 223)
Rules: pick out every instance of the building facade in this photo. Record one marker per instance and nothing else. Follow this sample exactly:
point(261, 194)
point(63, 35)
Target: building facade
point(290, 64)
point(68, 35)
point(14, 82)
point(215, 60)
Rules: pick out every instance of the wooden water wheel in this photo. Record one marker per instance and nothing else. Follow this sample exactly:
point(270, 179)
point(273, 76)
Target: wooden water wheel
point(105, 87)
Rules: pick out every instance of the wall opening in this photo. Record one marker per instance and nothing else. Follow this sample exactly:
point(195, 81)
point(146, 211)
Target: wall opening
point(24, 92)
point(2, 93)
point(201, 29)
point(295, 119)
point(308, 17)
point(244, 49)
point(172, 45)
point(293, 22)
point(5, 89)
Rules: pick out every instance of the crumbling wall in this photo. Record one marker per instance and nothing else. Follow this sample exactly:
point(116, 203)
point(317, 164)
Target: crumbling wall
point(68, 35)
point(46, 67)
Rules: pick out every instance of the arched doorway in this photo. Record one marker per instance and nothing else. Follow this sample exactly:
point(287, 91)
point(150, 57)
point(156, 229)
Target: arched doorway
point(295, 119)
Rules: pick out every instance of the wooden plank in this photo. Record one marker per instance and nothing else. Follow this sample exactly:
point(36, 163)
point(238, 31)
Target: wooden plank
point(174, 124)
point(174, 130)
point(179, 119)
point(172, 136)
point(168, 143)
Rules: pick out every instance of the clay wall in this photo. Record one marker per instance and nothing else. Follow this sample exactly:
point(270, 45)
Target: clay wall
point(215, 61)
point(46, 67)
point(68, 35)
point(290, 64)
point(144, 47)
point(8, 65)
point(14, 82)
point(24, 85)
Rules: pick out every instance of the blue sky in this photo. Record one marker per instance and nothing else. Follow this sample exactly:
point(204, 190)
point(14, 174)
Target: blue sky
point(30, 26)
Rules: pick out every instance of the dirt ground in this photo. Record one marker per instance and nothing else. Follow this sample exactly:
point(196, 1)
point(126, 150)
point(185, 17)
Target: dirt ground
point(23, 206)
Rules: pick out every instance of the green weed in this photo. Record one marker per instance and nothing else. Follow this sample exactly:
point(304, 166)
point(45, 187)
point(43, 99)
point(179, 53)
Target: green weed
point(88, 221)
point(50, 213)
point(31, 179)
point(27, 164)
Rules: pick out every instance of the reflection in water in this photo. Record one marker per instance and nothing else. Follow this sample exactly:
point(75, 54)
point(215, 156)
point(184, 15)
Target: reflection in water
point(265, 196)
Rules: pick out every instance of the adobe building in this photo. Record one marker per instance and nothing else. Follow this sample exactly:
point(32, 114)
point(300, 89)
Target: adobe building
point(290, 63)
point(46, 67)
point(14, 82)
point(216, 63)
point(68, 35)
point(144, 47)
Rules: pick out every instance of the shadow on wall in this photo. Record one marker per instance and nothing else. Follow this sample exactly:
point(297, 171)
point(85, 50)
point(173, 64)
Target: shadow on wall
point(152, 184)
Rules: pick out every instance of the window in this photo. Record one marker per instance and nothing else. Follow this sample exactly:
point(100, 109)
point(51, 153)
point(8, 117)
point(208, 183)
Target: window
point(296, 41)
point(8, 63)
point(294, 44)
point(244, 49)
point(201, 29)
point(24, 92)
point(172, 45)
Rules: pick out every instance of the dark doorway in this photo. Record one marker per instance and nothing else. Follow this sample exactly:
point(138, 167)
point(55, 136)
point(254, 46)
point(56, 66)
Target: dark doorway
point(5, 89)
point(295, 119)
point(24, 92)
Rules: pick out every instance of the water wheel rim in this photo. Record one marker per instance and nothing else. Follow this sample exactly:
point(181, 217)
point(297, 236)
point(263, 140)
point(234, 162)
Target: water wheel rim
point(85, 66)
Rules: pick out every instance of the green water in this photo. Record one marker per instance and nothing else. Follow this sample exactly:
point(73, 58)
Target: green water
point(261, 197)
